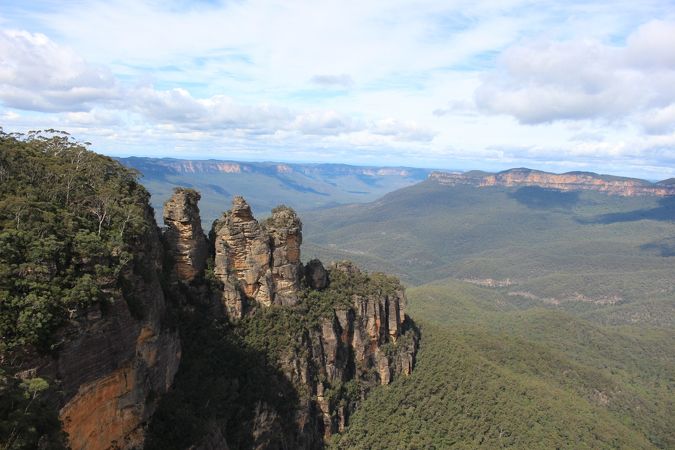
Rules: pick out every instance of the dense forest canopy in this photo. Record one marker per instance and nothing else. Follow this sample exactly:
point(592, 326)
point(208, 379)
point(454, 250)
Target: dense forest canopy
point(67, 218)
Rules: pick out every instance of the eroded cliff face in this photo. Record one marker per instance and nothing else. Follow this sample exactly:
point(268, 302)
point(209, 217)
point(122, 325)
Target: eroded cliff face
point(368, 343)
point(114, 361)
point(347, 333)
point(572, 181)
point(353, 333)
point(350, 350)
point(257, 262)
point(184, 235)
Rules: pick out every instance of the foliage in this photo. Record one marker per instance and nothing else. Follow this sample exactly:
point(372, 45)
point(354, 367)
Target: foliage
point(495, 372)
point(578, 353)
point(26, 419)
point(68, 221)
point(553, 246)
point(229, 368)
point(463, 396)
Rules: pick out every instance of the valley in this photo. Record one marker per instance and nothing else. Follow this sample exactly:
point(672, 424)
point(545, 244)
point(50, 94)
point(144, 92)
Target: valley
point(535, 317)
point(268, 184)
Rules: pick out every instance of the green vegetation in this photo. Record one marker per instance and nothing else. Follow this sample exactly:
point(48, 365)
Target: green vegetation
point(502, 374)
point(547, 318)
point(463, 394)
point(27, 421)
point(584, 252)
point(229, 370)
point(68, 218)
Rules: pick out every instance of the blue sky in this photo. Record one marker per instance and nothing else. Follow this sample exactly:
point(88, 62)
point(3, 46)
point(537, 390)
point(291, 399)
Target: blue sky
point(447, 84)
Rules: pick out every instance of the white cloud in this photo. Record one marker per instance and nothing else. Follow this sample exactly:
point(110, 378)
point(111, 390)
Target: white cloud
point(542, 82)
point(343, 80)
point(432, 82)
point(37, 74)
point(659, 120)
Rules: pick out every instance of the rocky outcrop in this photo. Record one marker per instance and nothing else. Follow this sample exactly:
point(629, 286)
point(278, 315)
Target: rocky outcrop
point(242, 259)
point(254, 262)
point(570, 181)
point(114, 361)
point(184, 235)
point(285, 234)
point(316, 275)
point(352, 349)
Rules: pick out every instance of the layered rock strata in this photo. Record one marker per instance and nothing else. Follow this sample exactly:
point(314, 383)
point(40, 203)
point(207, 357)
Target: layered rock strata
point(113, 363)
point(254, 262)
point(184, 236)
point(285, 232)
point(571, 181)
point(362, 341)
point(365, 344)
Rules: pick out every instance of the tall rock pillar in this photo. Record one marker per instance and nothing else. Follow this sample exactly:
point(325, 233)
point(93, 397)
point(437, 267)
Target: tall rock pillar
point(184, 235)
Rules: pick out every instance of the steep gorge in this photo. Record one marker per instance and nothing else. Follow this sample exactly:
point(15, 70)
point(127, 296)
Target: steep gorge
point(99, 309)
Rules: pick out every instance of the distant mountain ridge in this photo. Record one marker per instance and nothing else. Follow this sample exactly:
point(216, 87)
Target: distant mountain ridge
point(569, 181)
point(189, 166)
point(266, 184)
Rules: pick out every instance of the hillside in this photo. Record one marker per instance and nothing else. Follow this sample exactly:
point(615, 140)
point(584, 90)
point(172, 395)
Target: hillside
point(114, 334)
point(547, 316)
point(503, 374)
point(578, 251)
point(569, 181)
point(267, 184)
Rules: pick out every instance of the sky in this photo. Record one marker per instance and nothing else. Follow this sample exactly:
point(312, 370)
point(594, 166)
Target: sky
point(453, 84)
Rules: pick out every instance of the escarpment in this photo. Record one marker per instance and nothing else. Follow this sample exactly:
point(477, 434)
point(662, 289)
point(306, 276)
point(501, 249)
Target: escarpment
point(329, 335)
point(137, 338)
point(84, 322)
point(115, 362)
point(571, 181)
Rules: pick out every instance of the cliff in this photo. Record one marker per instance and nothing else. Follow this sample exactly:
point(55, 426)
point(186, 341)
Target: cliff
point(184, 235)
point(83, 313)
point(571, 181)
point(99, 309)
point(326, 336)
point(158, 167)
point(114, 363)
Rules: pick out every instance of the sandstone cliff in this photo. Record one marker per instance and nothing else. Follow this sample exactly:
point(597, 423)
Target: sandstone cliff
point(571, 181)
point(299, 346)
point(254, 262)
point(113, 361)
point(330, 335)
point(184, 235)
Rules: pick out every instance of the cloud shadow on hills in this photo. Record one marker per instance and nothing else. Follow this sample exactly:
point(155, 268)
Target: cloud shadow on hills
point(665, 212)
point(536, 197)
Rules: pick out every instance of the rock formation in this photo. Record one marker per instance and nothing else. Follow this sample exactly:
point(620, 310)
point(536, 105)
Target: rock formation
point(571, 181)
point(364, 340)
point(285, 231)
point(254, 262)
point(316, 275)
point(242, 259)
point(370, 343)
point(184, 235)
point(114, 362)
